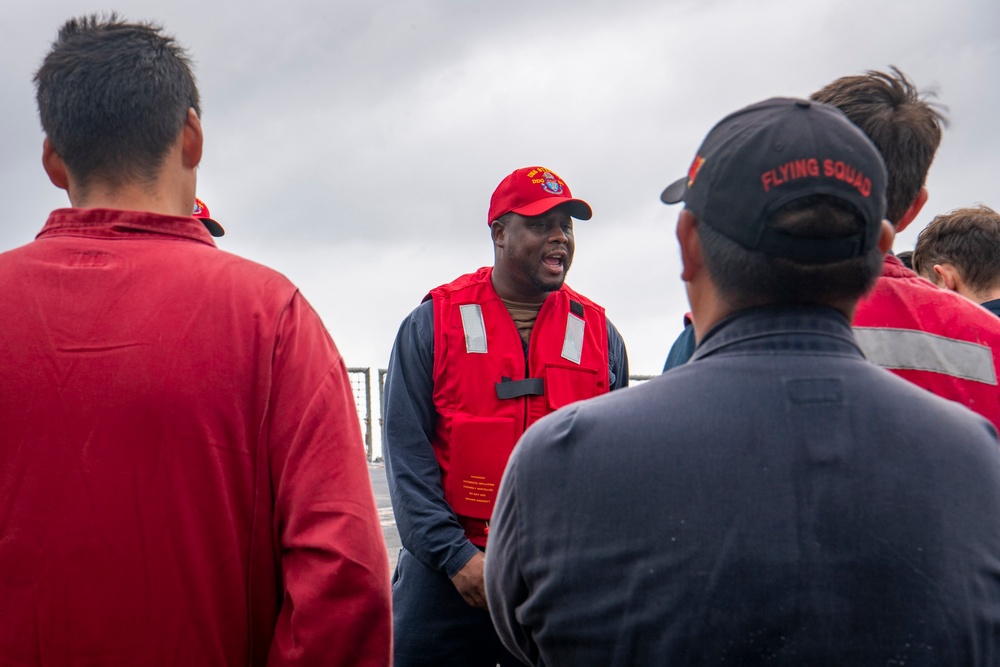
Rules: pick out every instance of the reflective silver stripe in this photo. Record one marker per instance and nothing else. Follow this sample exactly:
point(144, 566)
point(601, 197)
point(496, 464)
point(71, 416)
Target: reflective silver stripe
point(906, 349)
point(474, 327)
point(573, 342)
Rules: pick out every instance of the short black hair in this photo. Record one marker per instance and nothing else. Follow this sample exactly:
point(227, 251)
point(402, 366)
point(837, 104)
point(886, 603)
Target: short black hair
point(747, 278)
point(113, 97)
point(906, 257)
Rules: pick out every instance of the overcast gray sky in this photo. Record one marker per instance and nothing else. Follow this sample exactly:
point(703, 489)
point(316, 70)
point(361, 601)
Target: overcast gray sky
point(354, 145)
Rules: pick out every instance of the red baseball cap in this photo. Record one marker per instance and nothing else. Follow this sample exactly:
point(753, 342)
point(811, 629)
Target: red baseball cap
point(201, 212)
point(532, 191)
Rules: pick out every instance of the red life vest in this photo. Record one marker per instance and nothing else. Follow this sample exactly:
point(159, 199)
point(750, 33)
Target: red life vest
point(486, 392)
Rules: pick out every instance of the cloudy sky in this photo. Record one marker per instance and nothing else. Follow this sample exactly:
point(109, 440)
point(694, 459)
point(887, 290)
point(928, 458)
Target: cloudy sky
point(354, 145)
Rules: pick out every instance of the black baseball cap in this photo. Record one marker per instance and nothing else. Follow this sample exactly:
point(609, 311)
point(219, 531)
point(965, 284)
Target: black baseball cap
point(758, 159)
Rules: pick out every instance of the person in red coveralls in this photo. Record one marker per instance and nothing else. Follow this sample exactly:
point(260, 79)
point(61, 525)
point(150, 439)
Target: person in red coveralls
point(931, 337)
point(481, 359)
point(184, 480)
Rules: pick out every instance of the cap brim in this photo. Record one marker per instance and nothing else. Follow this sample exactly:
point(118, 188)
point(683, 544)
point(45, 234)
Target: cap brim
point(577, 208)
point(674, 193)
point(214, 228)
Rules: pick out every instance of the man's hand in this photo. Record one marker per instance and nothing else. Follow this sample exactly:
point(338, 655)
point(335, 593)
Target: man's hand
point(469, 582)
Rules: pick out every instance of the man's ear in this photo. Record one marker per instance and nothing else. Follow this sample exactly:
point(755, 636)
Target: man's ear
point(54, 166)
point(947, 277)
point(886, 236)
point(912, 212)
point(192, 140)
point(687, 236)
point(498, 233)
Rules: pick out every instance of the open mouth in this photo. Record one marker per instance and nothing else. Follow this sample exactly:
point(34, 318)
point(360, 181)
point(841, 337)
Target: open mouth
point(554, 263)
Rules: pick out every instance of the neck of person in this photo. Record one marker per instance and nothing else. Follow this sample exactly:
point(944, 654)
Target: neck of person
point(507, 290)
point(168, 191)
point(987, 295)
point(708, 308)
point(155, 197)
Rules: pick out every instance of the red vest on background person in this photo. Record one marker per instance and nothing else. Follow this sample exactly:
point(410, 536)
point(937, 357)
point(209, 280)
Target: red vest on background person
point(932, 337)
point(487, 391)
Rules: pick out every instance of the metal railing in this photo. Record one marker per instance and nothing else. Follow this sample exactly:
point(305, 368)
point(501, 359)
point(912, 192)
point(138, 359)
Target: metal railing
point(361, 387)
